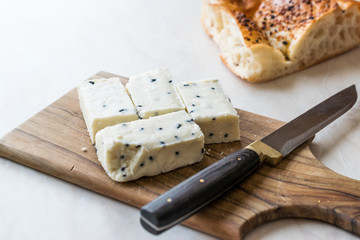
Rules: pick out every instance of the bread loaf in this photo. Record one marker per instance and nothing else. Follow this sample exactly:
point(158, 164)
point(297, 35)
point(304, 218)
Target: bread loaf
point(261, 40)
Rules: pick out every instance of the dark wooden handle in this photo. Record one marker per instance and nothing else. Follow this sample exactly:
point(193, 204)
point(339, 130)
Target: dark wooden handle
point(197, 191)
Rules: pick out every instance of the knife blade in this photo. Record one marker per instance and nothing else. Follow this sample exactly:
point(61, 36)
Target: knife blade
point(191, 195)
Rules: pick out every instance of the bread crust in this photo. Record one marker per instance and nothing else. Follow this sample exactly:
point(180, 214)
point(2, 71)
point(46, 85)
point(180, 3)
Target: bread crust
point(290, 33)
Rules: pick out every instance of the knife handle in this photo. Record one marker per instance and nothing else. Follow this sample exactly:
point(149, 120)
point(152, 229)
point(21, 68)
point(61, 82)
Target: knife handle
point(188, 197)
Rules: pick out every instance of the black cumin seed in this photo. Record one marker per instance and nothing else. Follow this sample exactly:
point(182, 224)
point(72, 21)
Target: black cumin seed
point(124, 124)
point(285, 42)
point(153, 80)
point(168, 92)
point(160, 128)
point(178, 126)
point(177, 137)
point(226, 135)
point(202, 150)
point(311, 17)
point(122, 110)
point(123, 169)
point(141, 129)
point(272, 16)
point(193, 105)
point(138, 146)
point(213, 88)
point(104, 105)
point(162, 143)
point(193, 134)
point(186, 85)
point(142, 164)
point(190, 120)
point(176, 153)
point(213, 119)
point(192, 111)
point(122, 157)
point(151, 158)
point(211, 134)
point(92, 82)
point(139, 105)
point(124, 175)
point(229, 99)
point(170, 81)
point(126, 145)
point(197, 96)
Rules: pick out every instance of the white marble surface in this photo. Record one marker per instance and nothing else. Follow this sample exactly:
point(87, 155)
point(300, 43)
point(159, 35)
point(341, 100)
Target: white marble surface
point(47, 47)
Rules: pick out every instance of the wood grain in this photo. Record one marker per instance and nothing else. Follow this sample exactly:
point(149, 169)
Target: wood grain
point(300, 186)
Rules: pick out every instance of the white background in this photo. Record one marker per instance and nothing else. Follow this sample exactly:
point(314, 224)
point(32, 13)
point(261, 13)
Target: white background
point(48, 47)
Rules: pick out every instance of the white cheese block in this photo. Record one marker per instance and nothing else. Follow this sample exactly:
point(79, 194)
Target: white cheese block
point(149, 147)
point(104, 102)
point(154, 93)
point(211, 108)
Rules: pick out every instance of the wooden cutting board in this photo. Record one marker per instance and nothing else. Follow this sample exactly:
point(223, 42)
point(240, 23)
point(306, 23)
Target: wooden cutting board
point(300, 186)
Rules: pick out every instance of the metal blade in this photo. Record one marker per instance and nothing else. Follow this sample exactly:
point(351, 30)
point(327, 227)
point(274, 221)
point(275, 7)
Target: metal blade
point(302, 128)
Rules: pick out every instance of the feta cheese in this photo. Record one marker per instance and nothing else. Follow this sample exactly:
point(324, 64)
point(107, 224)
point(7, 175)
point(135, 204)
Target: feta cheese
point(104, 102)
point(154, 93)
point(149, 147)
point(210, 108)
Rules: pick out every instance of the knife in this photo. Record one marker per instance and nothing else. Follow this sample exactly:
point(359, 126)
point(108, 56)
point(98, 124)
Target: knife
point(191, 195)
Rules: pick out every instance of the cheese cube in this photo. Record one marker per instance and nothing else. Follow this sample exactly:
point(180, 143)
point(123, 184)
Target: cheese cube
point(149, 147)
point(104, 102)
point(210, 108)
point(154, 93)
